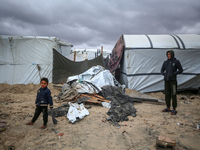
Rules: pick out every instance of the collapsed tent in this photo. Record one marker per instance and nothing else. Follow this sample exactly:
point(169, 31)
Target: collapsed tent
point(140, 58)
point(26, 59)
point(92, 80)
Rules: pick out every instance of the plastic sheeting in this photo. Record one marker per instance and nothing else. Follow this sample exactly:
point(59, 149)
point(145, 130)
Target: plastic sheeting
point(76, 112)
point(106, 104)
point(122, 105)
point(141, 69)
point(64, 68)
point(93, 79)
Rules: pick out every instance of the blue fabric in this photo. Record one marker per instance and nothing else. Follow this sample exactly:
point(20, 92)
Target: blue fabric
point(166, 110)
point(44, 97)
point(174, 112)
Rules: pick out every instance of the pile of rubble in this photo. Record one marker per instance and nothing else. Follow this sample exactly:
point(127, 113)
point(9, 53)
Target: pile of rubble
point(95, 86)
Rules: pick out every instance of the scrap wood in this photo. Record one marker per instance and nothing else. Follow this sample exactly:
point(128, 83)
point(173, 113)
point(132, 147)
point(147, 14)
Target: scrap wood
point(77, 97)
point(155, 103)
point(93, 101)
point(95, 97)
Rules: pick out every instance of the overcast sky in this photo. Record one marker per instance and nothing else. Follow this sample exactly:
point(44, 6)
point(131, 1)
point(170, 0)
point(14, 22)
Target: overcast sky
point(96, 23)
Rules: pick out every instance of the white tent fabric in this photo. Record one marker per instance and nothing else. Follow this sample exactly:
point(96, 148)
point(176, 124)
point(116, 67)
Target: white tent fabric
point(87, 75)
point(93, 79)
point(26, 59)
point(141, 65)
point(190, 41)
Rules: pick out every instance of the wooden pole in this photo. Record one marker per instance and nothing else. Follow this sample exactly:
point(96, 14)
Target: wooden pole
point(102, 50)
point(74, 55)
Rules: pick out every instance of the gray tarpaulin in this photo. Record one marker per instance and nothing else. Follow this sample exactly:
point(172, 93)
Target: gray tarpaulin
point(122, 105)
point(63, 67)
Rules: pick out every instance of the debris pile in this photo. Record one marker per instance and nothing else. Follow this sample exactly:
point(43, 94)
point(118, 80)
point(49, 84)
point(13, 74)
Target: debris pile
point(95, 86)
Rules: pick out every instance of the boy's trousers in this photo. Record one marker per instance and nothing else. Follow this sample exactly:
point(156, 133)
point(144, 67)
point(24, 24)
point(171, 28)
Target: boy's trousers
point(170, 93)
point(38, 111)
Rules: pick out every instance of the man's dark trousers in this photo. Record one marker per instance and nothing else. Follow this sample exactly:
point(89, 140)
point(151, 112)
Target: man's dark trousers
point(170, 92)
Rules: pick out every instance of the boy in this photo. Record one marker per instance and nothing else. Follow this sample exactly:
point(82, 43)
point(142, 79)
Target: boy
point(170, 69)
point(42, 100)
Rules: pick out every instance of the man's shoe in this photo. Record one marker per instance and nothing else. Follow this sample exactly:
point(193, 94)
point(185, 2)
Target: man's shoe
point(43, 127)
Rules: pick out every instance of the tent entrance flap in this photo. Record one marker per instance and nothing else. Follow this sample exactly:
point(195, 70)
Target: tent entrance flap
point(116, 55)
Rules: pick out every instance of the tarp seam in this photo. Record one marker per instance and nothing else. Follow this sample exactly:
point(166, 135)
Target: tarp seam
point(143, 74)
point(180, 40)
point(176, 41)
point(149, 40)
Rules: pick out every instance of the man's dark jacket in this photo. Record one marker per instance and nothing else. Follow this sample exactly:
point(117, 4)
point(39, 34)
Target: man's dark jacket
point(171, 67)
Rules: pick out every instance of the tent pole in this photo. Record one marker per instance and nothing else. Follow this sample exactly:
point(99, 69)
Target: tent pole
point(74, 55)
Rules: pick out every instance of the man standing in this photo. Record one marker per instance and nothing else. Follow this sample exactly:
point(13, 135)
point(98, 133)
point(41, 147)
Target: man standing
point(170, 69)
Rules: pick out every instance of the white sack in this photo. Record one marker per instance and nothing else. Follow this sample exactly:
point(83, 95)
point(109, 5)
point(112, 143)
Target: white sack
point(76, 111)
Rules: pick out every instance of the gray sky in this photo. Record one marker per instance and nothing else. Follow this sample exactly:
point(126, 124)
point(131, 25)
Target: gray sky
point(96, 23)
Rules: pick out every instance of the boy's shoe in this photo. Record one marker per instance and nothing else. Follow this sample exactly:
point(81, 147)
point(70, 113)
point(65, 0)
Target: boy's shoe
point(166, 110)
point(43, 127)
point(29, 123)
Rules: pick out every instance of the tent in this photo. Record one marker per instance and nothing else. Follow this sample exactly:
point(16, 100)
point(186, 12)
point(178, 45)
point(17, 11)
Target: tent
point(140, 58)
point(83, 54)
point(25, 59)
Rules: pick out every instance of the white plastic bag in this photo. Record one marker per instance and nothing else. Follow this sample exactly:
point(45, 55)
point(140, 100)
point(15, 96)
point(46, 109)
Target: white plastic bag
point(76, 111)
point(106, 104)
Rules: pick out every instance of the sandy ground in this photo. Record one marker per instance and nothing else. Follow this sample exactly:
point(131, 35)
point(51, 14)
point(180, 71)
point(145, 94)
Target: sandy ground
point(139, 133)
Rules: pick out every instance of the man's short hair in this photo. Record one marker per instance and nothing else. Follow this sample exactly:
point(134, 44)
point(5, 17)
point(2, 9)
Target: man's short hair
point(44, 79)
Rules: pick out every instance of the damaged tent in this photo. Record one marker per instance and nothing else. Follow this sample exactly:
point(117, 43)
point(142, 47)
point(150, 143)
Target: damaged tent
point(64, 68)
point(25, 59)
point(140, 58)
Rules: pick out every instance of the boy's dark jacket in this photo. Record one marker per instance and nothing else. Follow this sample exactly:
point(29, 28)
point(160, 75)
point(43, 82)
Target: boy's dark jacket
point(171, 67)
point(43, 97)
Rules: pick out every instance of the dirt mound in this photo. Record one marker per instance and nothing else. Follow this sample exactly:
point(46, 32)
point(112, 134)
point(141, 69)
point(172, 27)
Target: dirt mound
point(18, 88)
